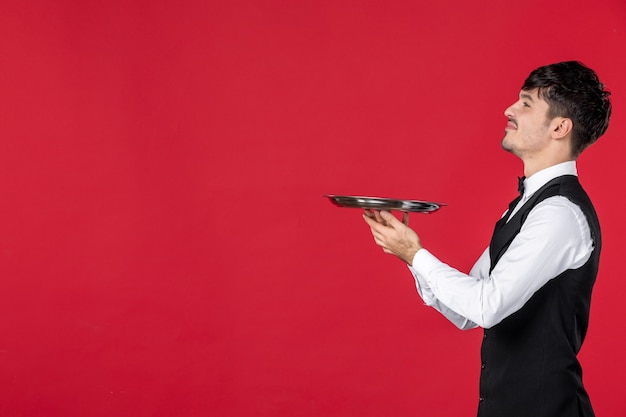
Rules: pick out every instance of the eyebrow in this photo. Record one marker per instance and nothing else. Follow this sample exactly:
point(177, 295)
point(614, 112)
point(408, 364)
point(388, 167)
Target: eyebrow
point(526, 96)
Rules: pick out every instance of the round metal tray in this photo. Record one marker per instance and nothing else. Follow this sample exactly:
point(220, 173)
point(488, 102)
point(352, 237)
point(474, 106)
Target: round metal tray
point(379, 203)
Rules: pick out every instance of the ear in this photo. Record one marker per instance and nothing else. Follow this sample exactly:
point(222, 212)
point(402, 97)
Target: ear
point(561, 127)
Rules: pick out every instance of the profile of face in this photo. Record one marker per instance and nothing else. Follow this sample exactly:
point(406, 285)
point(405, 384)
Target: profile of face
point(528, 128)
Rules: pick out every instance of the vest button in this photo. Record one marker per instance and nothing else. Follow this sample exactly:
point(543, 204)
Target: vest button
point(481, 399)
point(482, 366)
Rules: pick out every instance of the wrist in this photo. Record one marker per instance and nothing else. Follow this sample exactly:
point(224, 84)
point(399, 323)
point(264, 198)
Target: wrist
point(411, 255)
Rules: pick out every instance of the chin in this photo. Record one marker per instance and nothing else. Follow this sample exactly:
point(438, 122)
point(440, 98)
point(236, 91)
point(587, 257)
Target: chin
point(506, 145)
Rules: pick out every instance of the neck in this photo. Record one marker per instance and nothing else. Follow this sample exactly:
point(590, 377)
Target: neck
point(533, 166)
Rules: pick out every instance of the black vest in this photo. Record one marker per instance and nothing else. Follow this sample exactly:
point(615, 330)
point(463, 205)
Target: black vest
point(529, 364)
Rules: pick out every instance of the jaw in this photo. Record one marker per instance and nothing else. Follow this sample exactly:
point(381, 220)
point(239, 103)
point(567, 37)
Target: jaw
point(507, 142)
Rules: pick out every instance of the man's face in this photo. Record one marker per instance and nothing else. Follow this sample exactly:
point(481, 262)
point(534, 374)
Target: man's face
point(528, 128)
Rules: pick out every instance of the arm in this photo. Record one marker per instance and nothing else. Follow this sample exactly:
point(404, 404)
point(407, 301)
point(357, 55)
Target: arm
point(555, 237)
point(480, 270)
point(411, 242)
point(431, 300)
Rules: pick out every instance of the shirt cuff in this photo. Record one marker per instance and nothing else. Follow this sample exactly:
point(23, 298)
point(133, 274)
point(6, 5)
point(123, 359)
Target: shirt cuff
point(424, 262)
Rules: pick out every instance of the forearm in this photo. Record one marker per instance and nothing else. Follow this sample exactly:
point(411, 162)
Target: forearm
point(551, 241)
point(431, 300)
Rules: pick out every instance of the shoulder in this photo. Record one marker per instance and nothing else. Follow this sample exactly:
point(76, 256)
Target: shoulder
point(559, 215)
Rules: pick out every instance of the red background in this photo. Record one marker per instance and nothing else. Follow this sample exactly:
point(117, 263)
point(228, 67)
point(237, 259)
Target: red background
point(165, 249)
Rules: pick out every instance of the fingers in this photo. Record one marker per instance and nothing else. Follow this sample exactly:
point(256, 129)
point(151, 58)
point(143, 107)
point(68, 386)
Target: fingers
point(384, 218)
point(377, 226)
point(370, 220)
point(373, 219)
point(390, 220)
point(392, 235)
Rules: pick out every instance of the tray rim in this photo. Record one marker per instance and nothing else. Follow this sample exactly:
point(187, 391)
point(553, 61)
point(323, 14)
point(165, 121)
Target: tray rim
point(396, 204)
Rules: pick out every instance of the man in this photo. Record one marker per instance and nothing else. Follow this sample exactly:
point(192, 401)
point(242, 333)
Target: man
point(531, 288)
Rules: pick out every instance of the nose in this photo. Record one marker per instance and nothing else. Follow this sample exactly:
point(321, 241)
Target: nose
point(510, 111)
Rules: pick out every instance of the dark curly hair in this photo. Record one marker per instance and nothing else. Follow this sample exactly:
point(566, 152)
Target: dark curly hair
point(574, 91)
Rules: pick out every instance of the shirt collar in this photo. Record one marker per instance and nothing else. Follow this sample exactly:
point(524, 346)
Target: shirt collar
point(541, 178)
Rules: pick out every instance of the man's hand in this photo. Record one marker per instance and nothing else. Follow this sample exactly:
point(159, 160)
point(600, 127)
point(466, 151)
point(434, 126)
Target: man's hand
point(392, 235)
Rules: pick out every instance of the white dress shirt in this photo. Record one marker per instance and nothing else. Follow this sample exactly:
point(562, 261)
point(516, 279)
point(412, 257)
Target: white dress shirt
point(554, 238)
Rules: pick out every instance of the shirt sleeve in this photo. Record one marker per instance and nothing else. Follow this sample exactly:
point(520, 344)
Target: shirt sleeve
point(555, 237)
point(425, 258)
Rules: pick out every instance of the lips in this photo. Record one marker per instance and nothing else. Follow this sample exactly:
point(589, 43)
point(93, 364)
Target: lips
point(511, 125)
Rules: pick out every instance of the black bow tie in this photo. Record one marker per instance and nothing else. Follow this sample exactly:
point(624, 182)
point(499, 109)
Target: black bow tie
point(520, 185)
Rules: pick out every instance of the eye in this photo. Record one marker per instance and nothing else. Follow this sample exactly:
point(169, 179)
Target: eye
point(525, 104)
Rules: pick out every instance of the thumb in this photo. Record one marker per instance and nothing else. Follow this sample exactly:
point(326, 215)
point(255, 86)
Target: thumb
point(389, 218)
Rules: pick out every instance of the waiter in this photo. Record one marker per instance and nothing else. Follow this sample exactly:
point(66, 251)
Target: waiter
point(531, 288)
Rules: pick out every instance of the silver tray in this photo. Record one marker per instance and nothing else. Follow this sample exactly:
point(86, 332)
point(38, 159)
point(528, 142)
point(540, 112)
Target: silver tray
point(379, 203)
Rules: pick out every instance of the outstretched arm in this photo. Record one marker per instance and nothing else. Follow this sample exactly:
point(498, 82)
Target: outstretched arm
point(397, 238)
point(554, 238)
